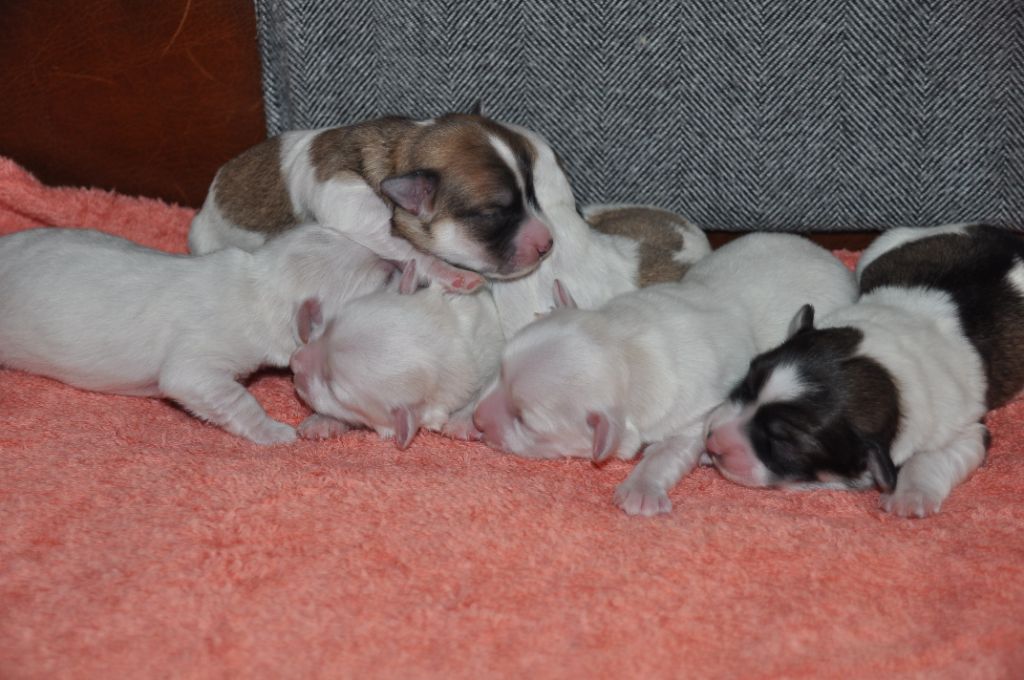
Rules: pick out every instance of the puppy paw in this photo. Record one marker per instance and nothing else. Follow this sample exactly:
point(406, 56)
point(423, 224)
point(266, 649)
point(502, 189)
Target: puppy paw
point(642, 499)
point(453, 279)
point(462, 428)
point(319, 426)
point(911, 503)
point(272, 432)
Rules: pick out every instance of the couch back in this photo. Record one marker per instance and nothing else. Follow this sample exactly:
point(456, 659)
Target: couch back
point(741, 114)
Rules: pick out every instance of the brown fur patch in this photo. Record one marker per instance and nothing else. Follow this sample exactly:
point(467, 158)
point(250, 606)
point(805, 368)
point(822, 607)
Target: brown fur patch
point(250, 190)
point(973, 269)
point(1005, 360)
point(655, 231)
point(456, 146)
point(368, 149)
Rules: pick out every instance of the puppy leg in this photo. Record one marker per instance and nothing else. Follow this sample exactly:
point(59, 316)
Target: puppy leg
point(319, 426)
point(926, 479)
point(645, 491)
point(217, 398)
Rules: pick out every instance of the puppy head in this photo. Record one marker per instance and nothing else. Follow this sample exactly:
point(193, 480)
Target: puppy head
point(464, 191)
point(811, 412)
point(558, 391)
point(376, 364)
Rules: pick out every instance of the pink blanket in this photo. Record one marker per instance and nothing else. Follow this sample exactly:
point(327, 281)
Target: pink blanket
point(137, 542)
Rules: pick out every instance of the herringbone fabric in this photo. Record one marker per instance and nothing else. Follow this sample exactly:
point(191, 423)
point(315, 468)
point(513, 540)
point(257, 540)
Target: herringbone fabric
point(741, 114)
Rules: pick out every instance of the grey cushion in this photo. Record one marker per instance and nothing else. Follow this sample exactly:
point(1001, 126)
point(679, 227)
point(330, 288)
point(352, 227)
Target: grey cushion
point(853, 114)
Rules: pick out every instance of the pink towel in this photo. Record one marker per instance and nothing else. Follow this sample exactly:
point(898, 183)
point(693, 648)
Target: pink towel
point(137, 542)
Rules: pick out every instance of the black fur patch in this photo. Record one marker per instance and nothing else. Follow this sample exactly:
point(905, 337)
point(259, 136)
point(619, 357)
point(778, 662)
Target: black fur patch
point(847, 413)
point(973, 268)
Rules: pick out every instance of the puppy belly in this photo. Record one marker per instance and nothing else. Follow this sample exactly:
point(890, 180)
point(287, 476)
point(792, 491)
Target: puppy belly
point(110, 383)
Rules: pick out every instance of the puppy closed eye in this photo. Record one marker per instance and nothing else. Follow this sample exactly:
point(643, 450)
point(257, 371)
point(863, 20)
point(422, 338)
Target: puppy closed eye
point(493, 210)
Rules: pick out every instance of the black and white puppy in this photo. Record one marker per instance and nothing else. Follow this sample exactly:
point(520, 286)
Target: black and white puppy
point(647, 367)
point(455, 193)
point(889, 391)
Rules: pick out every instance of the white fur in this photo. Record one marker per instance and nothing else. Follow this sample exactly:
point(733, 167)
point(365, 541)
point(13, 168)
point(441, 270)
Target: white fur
point(104, 314)
point(1016, 277)
point(894, 238)
point(654, 362)
point(916, 335)
point(427, 355)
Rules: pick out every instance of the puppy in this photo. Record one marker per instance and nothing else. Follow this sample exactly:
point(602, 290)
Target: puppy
point(627, 247)
point(648, 366)
point(667, 244)
point(396, 362)
point(901, 380)
point(456, 192)
point(104, 314)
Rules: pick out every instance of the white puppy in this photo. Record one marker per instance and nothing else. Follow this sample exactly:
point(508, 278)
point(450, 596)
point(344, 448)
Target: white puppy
point(102, 313)
point(647, 367)
point(398, 361)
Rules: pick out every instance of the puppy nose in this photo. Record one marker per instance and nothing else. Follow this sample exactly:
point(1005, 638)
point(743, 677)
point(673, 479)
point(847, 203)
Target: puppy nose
point(712, 444)
point(299, 361)
point(479, 422)
point(543, 248)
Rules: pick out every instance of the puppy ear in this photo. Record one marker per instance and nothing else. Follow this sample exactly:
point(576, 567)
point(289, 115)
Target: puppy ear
point(309, 319)
point(803, 321)
point(477, 109)
point(563, 298)
point(406, 426)
point(881, 467)
point(607, 435)
point(409, 283)
point(413, 192)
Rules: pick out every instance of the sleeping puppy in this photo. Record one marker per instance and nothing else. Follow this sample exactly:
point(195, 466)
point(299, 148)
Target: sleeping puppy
point(621, 249)
point(648, 366)
point(104, 314)
point(397, 361)
point(890, 391)
point(461, 192)
point(667, 244)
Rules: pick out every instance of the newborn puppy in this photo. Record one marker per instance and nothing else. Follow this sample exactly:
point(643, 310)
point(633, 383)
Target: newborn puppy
point(901, 379)
point(627, 247)
point(461, 191)
point(396, 362)
point(648, 366)
point(101, 313)
point(667, 244)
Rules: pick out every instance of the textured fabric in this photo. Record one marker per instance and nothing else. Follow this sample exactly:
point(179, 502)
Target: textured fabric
point(136, 542)
point(741, 114)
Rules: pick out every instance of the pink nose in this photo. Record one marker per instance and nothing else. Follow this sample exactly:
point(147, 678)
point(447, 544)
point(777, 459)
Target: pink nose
point(714, 444)
point(533, 242)
point(300, 361)
point(488, 416)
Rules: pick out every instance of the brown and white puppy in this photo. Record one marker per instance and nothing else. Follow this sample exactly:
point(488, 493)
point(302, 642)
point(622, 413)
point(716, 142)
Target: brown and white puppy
point(667, 244)
point(626, 248)
point(453, 193)
point(899, 380)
